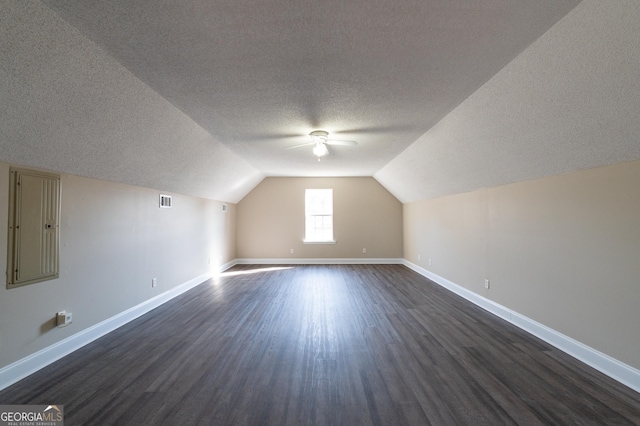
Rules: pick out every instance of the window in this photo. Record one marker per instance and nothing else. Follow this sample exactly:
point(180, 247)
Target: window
point(34, 210)
point(318, 207)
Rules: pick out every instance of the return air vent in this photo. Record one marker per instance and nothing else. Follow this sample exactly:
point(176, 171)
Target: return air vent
point(165, 201)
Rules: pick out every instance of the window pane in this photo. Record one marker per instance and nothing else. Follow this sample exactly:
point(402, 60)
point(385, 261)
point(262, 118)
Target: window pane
point(319, 228)
point(318, 202)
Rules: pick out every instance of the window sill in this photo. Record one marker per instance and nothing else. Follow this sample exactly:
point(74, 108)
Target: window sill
point(318, 242)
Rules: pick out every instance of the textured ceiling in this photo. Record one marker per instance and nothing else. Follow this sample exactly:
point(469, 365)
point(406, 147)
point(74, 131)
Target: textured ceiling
point(260, 75)
point(201, 97)
point(569, 102)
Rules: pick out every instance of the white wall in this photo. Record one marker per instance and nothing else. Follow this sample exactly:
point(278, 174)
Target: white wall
point(113, 240)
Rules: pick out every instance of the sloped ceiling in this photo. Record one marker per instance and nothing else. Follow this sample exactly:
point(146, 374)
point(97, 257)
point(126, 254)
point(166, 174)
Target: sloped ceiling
point(69, 107)
point(202, 97)
point(570, 101)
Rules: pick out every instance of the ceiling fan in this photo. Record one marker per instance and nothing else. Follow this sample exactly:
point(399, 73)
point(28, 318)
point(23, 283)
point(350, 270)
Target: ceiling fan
point(320, 139)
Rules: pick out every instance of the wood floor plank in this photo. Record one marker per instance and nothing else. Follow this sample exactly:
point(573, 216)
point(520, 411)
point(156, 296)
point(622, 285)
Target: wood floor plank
point(324, 345)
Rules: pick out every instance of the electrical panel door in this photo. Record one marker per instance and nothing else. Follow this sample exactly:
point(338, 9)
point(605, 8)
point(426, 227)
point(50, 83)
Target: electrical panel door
point(33, 227)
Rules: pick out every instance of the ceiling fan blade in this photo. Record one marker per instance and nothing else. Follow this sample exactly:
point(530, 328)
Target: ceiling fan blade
point(339, 142)
point(301, 145)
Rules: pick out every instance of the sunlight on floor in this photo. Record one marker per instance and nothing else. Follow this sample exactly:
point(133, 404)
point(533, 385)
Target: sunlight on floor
point(254, 271)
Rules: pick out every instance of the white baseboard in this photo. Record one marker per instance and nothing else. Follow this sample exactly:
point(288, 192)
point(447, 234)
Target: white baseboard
point(34, 362)
point(613, 368)
point(22, 368)
point(228, 265)
point(619, 371)
point(319, 261)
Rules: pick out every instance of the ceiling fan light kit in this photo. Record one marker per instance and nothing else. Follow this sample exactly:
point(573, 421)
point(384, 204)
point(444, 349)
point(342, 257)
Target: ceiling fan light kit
point(320, 150)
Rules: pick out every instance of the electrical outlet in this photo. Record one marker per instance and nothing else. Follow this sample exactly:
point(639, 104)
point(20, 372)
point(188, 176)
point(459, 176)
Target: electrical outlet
point(154, 282)
point(419, 257)
point(291, 251)
point(429, 262)
point(364, 250)
point(63, 318)
point(486, 283)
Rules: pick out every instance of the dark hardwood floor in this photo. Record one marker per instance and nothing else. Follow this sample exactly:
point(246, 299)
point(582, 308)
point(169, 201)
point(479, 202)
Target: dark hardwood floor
point(325, 345)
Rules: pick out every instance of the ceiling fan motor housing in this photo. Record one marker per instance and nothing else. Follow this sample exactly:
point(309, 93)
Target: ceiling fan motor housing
point(319, 135)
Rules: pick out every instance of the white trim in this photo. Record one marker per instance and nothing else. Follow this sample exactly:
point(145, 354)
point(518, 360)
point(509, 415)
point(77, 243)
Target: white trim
point(613, 368)
point(228, 265)
point(318, 242)
point(617, 370)
point(22, 368)
point(319, 261)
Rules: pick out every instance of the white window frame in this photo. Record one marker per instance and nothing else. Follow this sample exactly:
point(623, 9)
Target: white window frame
point(318, 211)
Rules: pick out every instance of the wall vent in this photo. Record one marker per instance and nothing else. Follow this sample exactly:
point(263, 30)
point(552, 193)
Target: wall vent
point(165, 201)
point(224, 208)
